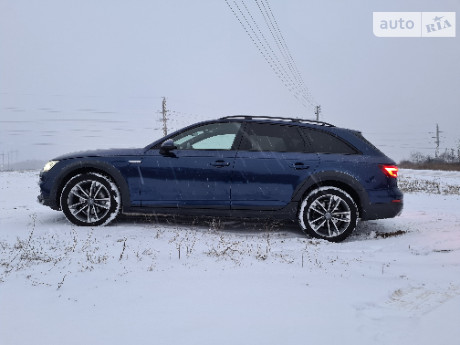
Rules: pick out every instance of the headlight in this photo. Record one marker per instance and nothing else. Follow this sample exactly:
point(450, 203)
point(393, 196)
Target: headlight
point(49, 165)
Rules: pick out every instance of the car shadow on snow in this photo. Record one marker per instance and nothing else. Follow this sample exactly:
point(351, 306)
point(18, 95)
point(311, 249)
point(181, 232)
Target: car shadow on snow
point(377, 229)
point(365, 230)
point(221, 224)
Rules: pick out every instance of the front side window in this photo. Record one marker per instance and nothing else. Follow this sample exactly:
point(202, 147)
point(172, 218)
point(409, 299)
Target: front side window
point(213, 136)
point(272, 137)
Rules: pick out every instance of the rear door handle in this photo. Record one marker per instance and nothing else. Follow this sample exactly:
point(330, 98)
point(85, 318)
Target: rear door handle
point(299, 165)
point(220, 164)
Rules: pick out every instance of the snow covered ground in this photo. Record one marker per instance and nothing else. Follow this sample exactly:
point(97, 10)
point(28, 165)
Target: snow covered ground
point(202, 281)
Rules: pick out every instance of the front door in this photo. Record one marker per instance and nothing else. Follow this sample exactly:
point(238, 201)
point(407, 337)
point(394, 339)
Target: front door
point(196, 174)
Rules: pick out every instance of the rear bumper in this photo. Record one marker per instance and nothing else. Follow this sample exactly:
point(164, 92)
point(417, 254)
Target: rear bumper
point(381, 211)
point(383, 204)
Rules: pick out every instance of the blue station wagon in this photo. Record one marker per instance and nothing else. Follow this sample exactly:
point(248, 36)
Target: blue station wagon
point(322, 176)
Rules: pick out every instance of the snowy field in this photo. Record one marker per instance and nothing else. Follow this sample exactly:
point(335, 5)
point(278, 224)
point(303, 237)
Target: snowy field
point(204, 281)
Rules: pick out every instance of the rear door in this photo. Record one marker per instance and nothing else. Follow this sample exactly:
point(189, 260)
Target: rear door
point(270, 164)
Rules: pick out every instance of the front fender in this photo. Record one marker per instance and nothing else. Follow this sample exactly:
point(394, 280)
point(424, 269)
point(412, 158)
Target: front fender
point(88, 165)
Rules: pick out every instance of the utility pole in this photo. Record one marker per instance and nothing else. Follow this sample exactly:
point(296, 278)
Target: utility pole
point(437, 141)
point(317, 111)
point(165, 119)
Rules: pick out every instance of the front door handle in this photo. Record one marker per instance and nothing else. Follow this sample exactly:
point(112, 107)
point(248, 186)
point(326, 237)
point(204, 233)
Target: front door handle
point(299, 165)
point(220, 164)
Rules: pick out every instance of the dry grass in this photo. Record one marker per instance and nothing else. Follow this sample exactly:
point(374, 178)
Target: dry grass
point(430, 166)
point(409, 185)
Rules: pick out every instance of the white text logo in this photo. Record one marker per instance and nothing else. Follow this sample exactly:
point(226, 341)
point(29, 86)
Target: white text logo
point(414, 24)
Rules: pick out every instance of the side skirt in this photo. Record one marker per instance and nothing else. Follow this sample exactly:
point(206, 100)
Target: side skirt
point(287, 212)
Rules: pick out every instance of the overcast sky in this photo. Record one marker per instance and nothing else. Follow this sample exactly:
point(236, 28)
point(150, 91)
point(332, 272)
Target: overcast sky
point(91, 74)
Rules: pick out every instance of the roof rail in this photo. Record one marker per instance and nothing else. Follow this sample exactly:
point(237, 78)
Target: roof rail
point(287, 119)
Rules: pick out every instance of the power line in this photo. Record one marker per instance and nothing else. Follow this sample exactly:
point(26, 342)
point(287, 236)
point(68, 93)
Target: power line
point(260, 47)
point(282, 46)
point(259, 44)
point(287, 72)
point(280, 67)
point(291, 78)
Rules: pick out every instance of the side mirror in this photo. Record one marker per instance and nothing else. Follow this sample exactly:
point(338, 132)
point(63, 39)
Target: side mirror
point(167, 145)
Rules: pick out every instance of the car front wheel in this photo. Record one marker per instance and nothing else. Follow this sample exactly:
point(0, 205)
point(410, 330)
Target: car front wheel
point(90, 199)
point(328, 213)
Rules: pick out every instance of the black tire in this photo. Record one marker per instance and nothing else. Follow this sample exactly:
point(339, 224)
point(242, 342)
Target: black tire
point(90, 199)
point(328, 213)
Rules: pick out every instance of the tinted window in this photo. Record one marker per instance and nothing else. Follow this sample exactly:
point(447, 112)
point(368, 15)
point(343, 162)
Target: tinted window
point(367, 142)
point(214, 136)
point(323, 142)
point(271, 137)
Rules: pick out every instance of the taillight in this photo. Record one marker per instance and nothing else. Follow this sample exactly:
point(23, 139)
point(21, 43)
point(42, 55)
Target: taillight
point(390, 170)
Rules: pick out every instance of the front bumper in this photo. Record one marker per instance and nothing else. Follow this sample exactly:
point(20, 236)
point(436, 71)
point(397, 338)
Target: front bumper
point(48, 202)
point(45, 196)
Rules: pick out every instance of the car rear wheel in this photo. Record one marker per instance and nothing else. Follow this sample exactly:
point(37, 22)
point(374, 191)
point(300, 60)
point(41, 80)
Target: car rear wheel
point(328, 213)
point(90, 199)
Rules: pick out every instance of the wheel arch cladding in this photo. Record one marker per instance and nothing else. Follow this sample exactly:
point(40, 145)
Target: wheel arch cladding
point(343, 181)
point(92, 166)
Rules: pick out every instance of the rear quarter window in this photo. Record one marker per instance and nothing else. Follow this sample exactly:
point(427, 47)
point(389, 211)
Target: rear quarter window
point(367, 142)
point(322, 142)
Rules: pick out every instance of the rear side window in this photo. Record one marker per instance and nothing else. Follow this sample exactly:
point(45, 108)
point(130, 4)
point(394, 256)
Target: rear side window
point(272, 137)
point(322, 142)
